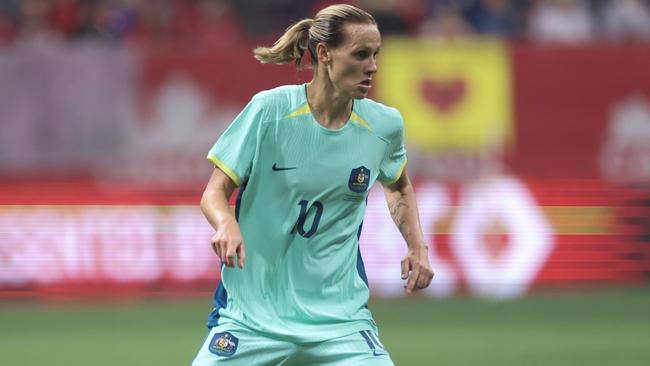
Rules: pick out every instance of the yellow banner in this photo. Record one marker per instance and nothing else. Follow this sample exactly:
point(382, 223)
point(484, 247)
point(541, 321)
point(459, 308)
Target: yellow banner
point(452, 94)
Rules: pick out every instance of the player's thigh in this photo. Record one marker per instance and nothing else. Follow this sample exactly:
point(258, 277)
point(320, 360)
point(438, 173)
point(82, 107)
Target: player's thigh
point(361, 348)
point(234, 346)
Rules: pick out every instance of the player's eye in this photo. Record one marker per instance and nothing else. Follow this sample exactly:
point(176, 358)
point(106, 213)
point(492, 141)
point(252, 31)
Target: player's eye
point(362, 55)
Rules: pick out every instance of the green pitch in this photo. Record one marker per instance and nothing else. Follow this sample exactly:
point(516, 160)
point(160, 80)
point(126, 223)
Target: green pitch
point(597, 328)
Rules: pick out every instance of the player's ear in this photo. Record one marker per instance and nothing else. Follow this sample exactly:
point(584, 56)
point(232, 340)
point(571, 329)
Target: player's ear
point(323, 53)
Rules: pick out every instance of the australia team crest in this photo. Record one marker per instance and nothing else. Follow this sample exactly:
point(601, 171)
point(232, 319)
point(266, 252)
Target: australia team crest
point(224, 344)
point(359, 179)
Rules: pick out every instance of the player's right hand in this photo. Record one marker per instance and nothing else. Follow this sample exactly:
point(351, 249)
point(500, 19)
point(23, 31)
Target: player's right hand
point(228, 242)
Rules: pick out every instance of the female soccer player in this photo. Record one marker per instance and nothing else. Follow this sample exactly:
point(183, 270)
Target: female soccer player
point(305, 157)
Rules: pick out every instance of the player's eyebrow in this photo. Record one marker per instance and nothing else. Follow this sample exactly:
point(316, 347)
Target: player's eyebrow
point(366, 49)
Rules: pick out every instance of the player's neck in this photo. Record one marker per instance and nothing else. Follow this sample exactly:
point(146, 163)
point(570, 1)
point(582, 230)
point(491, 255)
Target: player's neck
point(329, 108)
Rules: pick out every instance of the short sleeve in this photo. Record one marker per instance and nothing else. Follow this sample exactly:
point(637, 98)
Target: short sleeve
point(394, 160)
point(233, 153)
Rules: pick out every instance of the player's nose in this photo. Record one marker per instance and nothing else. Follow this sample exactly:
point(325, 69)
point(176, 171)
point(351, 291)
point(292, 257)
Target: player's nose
point(371, 67)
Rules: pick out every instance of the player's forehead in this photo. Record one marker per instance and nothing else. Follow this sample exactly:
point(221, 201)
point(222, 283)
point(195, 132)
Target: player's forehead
point(361, 36)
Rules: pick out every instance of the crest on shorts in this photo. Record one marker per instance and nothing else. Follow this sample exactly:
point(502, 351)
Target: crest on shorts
point(359, 179)
point(224, 344)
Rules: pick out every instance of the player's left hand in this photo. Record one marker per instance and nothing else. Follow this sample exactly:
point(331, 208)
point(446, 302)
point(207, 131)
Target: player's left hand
point(416, 269)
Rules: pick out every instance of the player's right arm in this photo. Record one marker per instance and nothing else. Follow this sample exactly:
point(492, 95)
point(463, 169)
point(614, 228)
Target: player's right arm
point(232, 156)
point(228, 240)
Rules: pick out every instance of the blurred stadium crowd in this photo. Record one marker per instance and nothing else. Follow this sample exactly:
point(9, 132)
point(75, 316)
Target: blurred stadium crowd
point(227, 21)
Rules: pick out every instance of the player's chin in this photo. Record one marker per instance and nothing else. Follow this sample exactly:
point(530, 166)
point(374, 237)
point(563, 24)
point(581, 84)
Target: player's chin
point(360, 93)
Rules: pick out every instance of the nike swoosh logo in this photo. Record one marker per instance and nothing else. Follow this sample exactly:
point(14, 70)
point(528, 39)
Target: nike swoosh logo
point(278, 169)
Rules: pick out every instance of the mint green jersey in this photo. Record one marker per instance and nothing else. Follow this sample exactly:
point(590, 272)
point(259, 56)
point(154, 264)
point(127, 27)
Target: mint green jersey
point(300, 208)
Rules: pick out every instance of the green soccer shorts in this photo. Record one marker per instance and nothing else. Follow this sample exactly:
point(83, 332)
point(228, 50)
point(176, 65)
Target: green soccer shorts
point(236, 346)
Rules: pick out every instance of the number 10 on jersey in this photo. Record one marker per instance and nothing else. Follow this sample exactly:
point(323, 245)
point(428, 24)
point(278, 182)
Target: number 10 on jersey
point(305, 209)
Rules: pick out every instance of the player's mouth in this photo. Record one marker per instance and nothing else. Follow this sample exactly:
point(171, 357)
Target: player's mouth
point(366, 83)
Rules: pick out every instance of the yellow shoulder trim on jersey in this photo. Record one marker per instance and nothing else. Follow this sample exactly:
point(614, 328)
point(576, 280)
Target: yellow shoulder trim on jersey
point(354, 117)
point(399, 174)
point(224, 168)
point(303, 109)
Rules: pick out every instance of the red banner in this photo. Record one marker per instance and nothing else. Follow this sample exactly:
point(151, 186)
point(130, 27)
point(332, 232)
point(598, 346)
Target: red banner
point(568, 105)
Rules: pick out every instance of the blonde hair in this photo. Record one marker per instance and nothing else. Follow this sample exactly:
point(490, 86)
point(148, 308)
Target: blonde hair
point(326, 27)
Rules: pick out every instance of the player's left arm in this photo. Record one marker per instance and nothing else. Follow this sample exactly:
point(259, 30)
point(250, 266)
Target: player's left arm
point(416, 268)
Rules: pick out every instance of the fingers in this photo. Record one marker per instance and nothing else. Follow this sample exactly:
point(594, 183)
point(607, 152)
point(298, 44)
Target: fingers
point(227, 249)
point(424, 279)
point(223, 247)
point(241, 255)
point(406, 267)
point(410, 284)
point(420, 275)
point(230, 255)
point(215, 248)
